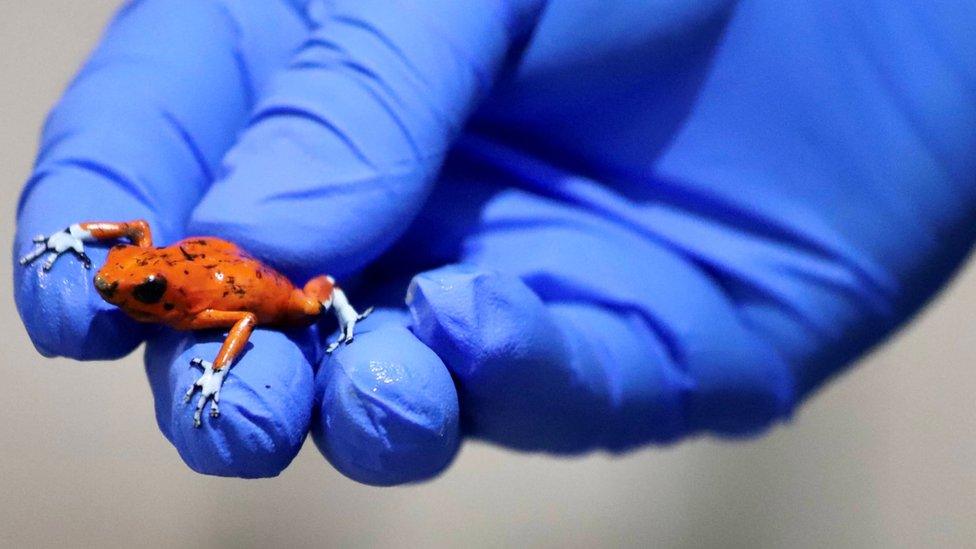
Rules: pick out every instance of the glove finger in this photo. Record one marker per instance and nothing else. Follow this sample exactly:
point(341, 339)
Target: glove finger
point(139, 134)
point(559, 379)
point(340, 154)
point(265, 402)
point(386, 408)
point(598, 337)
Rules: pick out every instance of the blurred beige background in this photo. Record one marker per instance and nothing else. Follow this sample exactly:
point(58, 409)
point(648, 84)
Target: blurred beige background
point(884, 457)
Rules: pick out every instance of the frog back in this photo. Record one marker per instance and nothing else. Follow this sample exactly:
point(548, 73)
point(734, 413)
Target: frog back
point(217, 274)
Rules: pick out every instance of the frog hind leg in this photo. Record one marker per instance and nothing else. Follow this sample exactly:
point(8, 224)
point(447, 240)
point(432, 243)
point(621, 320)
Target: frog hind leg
point(241, 325)
point(324, 290)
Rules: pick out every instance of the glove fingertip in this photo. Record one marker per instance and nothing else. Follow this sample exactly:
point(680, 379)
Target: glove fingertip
point(387, 409)
point(63, 314)
point(265, 403)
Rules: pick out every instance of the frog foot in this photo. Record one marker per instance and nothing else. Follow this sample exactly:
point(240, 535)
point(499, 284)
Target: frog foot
point(71, 239)
point(348, 317)
point(209, 384)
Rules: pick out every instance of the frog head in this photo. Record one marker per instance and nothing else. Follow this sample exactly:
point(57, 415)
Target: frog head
point(132, 279)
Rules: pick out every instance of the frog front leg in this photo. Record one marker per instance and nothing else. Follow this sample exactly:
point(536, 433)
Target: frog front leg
point(241, 325)
point(72, 239)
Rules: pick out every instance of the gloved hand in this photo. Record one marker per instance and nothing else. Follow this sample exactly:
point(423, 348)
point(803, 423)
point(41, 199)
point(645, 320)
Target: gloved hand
point(660, 218)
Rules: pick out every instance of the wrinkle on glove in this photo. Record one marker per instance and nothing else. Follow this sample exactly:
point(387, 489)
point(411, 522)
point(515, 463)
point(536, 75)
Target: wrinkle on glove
point(343, 149)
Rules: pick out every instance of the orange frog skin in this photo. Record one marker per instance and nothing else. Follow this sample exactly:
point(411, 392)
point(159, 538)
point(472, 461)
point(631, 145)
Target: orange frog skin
point(199, 283)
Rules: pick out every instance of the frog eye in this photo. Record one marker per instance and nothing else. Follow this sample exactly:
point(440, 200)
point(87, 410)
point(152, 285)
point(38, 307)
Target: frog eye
point(150, 290)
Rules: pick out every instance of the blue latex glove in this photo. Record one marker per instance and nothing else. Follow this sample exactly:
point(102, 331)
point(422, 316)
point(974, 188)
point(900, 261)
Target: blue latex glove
point(665, 218)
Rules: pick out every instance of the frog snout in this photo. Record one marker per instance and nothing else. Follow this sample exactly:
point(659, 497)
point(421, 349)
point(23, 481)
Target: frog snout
point(104, 287)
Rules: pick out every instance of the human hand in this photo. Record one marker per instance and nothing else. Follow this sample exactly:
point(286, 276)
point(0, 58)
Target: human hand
point(671, 218)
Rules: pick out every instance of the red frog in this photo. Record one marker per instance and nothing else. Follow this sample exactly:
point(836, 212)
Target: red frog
point(198, 283)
